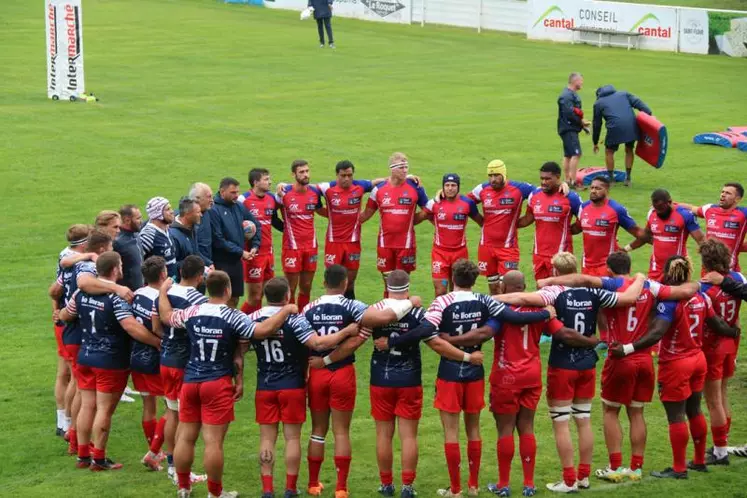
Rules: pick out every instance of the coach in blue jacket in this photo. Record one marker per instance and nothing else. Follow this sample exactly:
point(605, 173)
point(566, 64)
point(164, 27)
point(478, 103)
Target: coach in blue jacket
point(323, 16)
point(227, 218)
point(616, 107)
point(183, 230)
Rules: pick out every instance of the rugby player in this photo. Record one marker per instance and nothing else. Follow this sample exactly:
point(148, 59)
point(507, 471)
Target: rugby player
point(154, 237)
point(109, 222)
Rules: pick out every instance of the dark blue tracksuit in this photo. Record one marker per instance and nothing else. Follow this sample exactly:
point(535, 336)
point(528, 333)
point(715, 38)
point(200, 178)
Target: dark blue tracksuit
point(184, 243)
point(323, 16)
point(616, 107)
point(569, 123)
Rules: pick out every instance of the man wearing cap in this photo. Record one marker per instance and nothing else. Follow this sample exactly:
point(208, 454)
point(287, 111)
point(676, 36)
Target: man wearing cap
point(570, 123)
point(449, 213)
point(154, 238)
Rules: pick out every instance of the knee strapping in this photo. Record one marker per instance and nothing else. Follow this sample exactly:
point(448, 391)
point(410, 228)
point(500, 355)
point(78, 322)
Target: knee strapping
point(560, 413)
point(494, 279)
point(172, 404)
point(316, 439)
point(581, 410)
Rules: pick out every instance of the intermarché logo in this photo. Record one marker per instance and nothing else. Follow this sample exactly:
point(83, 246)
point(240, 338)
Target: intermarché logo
point(562, 22)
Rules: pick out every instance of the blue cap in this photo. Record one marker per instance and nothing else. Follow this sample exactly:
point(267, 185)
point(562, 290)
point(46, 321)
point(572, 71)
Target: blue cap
point(451, 177)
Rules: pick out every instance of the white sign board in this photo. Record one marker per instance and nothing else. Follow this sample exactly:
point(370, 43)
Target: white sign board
point(398, 11)
point(693, 31)
point(554, 19)
point(64, 21)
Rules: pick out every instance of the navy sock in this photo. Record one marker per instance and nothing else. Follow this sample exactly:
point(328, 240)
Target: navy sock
point(170, 459)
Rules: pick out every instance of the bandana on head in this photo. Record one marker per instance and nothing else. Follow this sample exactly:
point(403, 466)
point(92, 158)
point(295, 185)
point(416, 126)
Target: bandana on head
point(79, 242)
point(398, 288)
point(497, 167)
point(398, 164)
point(155, 207)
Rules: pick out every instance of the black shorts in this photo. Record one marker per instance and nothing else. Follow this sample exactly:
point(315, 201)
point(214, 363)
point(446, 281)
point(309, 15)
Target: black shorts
point(571, 144)
point(614, 147)
point(235, 272)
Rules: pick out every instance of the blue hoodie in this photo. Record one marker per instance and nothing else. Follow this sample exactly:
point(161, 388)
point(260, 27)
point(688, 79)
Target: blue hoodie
point(228, 231)
point(617, 110)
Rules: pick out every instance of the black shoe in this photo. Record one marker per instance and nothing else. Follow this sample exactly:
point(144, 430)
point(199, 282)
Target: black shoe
point(59, 432)
point(697, 467)
point(709, 451)
point(712, 460)
point(669, 473)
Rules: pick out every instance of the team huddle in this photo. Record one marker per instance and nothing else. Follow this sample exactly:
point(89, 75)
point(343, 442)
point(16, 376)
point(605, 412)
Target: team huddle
point(160, 304)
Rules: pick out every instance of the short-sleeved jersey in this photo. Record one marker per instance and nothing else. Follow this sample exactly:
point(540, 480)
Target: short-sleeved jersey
point(599, 225)
point(263, 209)
point(727, 225)
point(577, 308)
point(670, 236)
point(727, 307)
point(175, 341)
point(552, 219)
point(298, 214)
point(457, 313)
point(330, 314)
point(72, 333)
point(516, 356)
point(684, 338)
point(501, 210)
point(281, 357)
point(628, 324)
point(399, 366)
point(214, 331)
point(396, 205)
point(60, 273)
point(450, 219)
point(104, 343)
point(343, 209)
point(144, 358)
point(157, 242)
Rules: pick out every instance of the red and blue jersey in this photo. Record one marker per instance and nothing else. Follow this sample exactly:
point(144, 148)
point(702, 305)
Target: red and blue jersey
point(263, 209)
point(397, 205)
point(298, 214)
point(214, 331)
point(727, 225)
point(599, 226)
point(399, 366)
point(552, 219)
point(684, 338)
point(144, 358)
point(330, 314)
point(516, 355)
point(72, 334)
point(727, 307)
point(501, 210)
point(175, 341)
point(669, 237)
point(343, 209)
point(104, 343)
point(450, 221)
point(157, 242)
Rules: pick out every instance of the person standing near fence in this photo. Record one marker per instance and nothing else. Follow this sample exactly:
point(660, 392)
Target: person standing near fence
point(323, 16)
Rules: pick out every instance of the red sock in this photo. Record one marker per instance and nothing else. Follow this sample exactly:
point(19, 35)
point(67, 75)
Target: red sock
point(604, 335)
point(84, 451)
point(157, 442)
point(303, 300)
point(245, 308)
point(267, 486)
point(453, 461)
point(584, 470)
point(728, 425)
point(99, 454)
point(149, 429)
point(315, 464)
point(72, 445)
point(699, 433)
point(528, 452)
point(342, 466)
point(408, 477)
point(616, 460)
point(184, 479)
point(636, 462)
point(720, 435)
point(293, 299)
point(505, 449)
point(678, 438)
point(386, 478)
point(291, 481)
point(569, 476)
point(215, 488)
point(474, 455)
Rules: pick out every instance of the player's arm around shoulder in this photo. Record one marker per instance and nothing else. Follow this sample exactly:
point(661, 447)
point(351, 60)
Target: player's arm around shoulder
point(629, 297)
point(474, 337)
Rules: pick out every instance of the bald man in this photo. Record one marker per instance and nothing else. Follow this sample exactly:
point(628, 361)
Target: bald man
point(203, 194)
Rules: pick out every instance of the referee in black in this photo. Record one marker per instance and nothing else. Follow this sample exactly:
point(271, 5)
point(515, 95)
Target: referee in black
point(323, 16)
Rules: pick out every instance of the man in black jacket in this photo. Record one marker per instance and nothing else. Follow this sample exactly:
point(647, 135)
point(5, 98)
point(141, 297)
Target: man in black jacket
point(182, 230)
point(127, 245)
point(231, 223)
point(323, 15)
point(570, 123)
point(203, 195)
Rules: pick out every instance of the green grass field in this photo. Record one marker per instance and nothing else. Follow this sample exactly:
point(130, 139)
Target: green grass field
point(196, 90)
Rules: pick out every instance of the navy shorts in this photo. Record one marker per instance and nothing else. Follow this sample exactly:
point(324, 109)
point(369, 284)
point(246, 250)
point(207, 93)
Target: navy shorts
point(571, 144)
point(235, 270)
point(614, 147)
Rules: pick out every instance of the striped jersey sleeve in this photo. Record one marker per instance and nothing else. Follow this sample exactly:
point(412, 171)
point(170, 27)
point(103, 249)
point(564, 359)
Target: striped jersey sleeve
point(122, 309)
point(301, 328)
point(179, 317)
point(356, 308)
point(436, 310)
point(550, 293)
point(607, 299)
point(240, 323)
point(147, 237)
point(195, 297)
point(85, 268)
point(72, 307)
point(495, 308)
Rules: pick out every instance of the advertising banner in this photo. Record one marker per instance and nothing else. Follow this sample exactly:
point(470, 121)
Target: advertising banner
point(398, 11)
point(64, 31)
point(693, 31)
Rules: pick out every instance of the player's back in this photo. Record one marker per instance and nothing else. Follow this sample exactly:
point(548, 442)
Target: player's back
point(104, 343)
point(687, 317)
point(501, 210)
point(552, 219)
point(298, 215)
point(72, 332)
point(331, 313)
point(144, 358)
point(157, 242)
point(727, 307)
point(400, 366)
point(516, 353)
point(175, 341)
point(343, 209)
point(630, 323)
point(262, 208)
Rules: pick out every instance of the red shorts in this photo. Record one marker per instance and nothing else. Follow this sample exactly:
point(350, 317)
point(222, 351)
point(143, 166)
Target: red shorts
point(655, 275)
point(388, 259)
point(595, 271)
point(172, 380)
point(567, 385)
point(147, 384)
point(208, 402)
point(720, 365)
point(455, 397)
point(287, 406)
point(347, 254)
point(442, 259)
point(542, 267)
point(298, 260)
point(259, 269)
point(71, 355)
point(628, 381)
point(497, 260)
point(509, 399)
point(332, 389)
point(58, 329)
point(390, 402)
point(679, 379)
point(102, 380)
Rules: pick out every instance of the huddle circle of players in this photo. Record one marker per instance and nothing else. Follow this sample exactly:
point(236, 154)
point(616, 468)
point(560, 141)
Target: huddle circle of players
point(189, 349)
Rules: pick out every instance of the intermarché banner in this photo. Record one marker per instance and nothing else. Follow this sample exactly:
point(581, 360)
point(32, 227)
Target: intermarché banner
point(64, 32)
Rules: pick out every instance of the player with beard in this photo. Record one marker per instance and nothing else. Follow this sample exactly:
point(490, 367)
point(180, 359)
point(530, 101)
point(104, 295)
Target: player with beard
point(128, 246)
point(154, 237)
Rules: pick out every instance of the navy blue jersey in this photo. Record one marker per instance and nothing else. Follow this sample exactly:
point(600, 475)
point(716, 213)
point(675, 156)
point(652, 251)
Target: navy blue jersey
point(175, 342)
point(144, 358)
point(281, 357)
point(399, 366)
point(66, 252)
point(104, 344)
point(72, 333)
point(577, 308)
point(330, 314)
point(214, 331)
point(156, 242)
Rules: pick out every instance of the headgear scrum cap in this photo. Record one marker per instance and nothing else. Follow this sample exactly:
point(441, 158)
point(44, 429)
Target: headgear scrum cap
point(451, 177)
point(497, 167)
point(155, 207)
